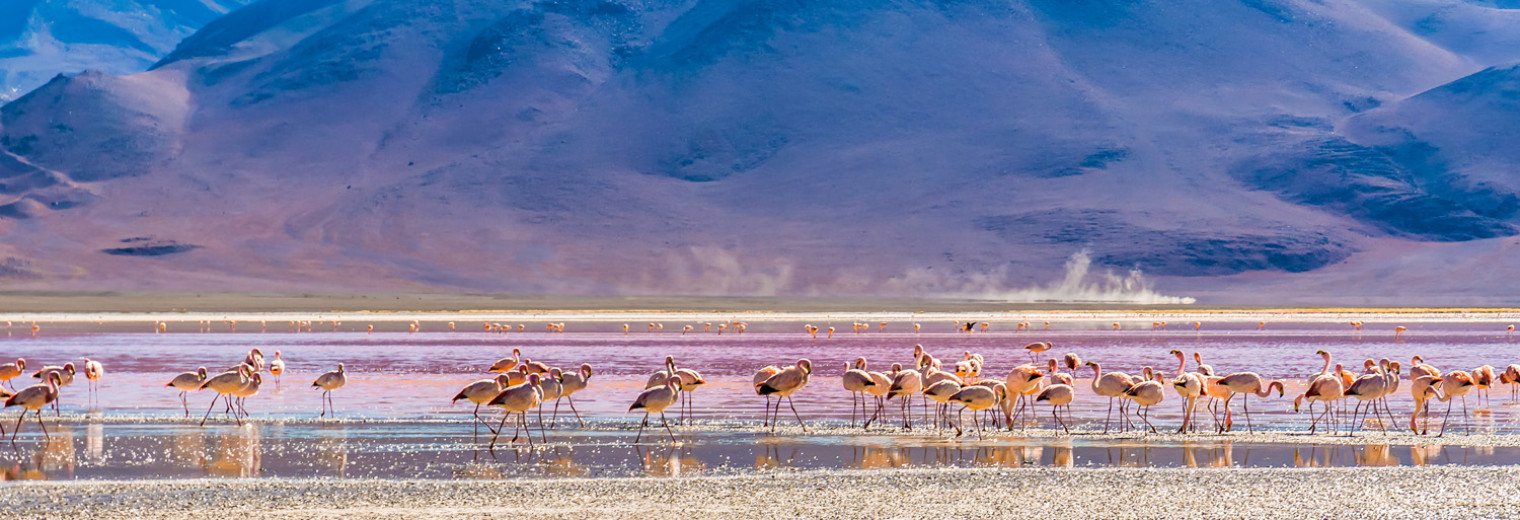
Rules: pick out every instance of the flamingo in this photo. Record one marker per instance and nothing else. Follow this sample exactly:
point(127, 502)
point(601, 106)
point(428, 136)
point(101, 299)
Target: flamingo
point(481, 392)
point(1072, 362)
point(856, 381)
point(186, 382)
point(1325, 388)
point(1036, 348)
point(1248, 383)
point(328, 382)
point(34, 398)
point(1189, 386)
point(93, 371)
point(250, 388)
point(1368, 387)
point(656, 400)
point(691, 380)
point(11, 371)
point(1456, 384)
point(760, 378)
point(1146, 394)
point(1418, 367)
point(1511, 377)
point(1021, 381)
point(1423, 389)
point(506, 364)
point(518, 399)
point(905, 383)
point(574, 382)
point(255, 359)
point(976, 398)
point(1111, 385)
point(786, 383)
point(1483, 379)
point(941, 392)
point(880, 385)
point(277, 367)
point(224, 384)
point(1058, 396)
point(1399, 331)
point(65, 378)
point(549, 388)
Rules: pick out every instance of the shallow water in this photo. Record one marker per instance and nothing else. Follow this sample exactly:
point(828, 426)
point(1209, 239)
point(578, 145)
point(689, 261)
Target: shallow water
point(430, 451)
point(406, 379)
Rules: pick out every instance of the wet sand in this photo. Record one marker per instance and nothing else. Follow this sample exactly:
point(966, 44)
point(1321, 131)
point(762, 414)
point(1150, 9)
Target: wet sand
point(1467, 492)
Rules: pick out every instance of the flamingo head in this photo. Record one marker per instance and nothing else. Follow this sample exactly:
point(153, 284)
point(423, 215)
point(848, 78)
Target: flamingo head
point(586, 370)
point(673, 382)
point(1416, 360)
point(277, 354)
point(20, 364)
point(897, 367)
point(340, 368)
point(1323, 354)
point(1368, 364)
point(1395, 367)
point(556, 373)
point(55, 379)
point(502, 380)
point(1177, 353)
point(805, 365)
point(860, 363)
point(534, 380)
point(69, 367)
point(1297, 401)
point(201, 372)
point(1000, 390)
point(918, 350)
point(256, 352)
point(1278, 385)
point(256, 378)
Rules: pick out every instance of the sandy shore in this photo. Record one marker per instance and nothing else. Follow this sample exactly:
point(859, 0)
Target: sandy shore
point(1444, 492)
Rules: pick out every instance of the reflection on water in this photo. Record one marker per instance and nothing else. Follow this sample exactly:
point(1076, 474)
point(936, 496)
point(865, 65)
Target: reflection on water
point(407, 450)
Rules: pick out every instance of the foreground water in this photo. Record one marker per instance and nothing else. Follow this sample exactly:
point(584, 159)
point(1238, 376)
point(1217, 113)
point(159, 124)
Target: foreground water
point(396, 420)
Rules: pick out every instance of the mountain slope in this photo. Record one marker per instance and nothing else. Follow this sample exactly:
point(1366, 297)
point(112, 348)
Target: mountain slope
point(41, 39)
point(772, 147)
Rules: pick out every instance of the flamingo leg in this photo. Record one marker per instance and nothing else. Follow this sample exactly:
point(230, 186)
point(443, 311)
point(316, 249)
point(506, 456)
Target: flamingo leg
point(17, 430)
point(793, 405)
point(570, 399)
point(667, 427)
point(209, 408)
point(636, 438)
point(1445, 417)
point(40, 424)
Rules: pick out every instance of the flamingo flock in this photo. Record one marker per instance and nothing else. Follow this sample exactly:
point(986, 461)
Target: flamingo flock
point(522, 386)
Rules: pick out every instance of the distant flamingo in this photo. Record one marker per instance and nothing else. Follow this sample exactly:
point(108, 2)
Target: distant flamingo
point(1399, 331)
point(1036, 348)
point(506, 364)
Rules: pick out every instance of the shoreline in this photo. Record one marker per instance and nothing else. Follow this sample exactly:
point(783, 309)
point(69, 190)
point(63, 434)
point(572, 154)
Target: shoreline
point(1077, 493)
point(463, 304)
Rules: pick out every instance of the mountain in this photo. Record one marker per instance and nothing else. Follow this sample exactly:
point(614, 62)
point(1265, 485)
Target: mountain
point(41, 39)
point(1249, 151)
